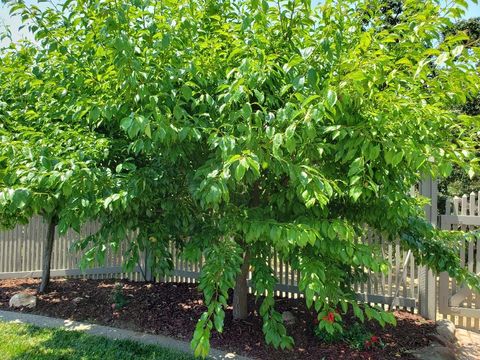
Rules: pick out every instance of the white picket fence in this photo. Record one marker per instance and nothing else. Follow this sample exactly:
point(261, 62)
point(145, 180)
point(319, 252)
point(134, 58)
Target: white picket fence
point(21, 251)
point(457, 302)
point(405, 283)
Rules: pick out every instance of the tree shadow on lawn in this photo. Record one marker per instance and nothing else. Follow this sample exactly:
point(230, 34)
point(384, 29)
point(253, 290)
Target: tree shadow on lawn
point(54, 344)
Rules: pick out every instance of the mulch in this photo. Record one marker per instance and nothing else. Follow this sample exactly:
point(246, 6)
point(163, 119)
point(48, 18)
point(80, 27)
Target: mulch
point(172, 309)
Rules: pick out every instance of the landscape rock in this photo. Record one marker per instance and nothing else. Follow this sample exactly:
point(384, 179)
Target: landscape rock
point(23, 300)
point(441, 340)
point(288, 318)
point(446, 329)
point(434, 352)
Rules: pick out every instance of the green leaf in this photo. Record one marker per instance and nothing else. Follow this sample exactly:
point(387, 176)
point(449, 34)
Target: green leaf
point(277, 142)
point(66, 189)
point(148, 131)
point(242, 166)
point(246, 111)
point(126, 123)
point(445, 169)
point(20, 198)
point(389, 155)
point(356, 167)
point(186, 92)
point(389, 318)
point(471, 173)
point(365, 40)
point(218, 321)
point(355, 192)
point(331, 98)
point(441, 59)
point(312, 77)
point(457, 51)
point(358, 312)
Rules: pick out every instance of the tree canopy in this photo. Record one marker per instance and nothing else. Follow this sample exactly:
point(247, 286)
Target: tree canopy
point(238, 128)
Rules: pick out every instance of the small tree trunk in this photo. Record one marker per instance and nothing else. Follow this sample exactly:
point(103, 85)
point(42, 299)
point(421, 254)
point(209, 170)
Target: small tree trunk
point(240, 293)
point(47, 255)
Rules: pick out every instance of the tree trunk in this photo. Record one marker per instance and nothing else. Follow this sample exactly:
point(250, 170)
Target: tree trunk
point(240, 300)
point(240, 293)
point(47, 255)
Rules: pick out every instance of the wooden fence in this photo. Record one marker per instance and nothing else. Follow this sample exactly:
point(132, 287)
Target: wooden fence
point(405, 284)
point(456, 302)
point(21, 250)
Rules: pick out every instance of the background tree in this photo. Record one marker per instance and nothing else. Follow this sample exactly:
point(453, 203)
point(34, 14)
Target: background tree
point(240, 129)
point(460, 181)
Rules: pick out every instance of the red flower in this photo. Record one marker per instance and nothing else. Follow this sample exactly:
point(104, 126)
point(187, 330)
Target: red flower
point(374, 339)
point(330, 318)
point(367, 344)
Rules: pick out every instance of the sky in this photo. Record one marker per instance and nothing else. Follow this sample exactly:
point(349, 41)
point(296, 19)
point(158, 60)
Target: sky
point(14, 22)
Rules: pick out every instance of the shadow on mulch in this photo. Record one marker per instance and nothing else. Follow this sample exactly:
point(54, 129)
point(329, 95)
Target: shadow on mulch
point(172, 309)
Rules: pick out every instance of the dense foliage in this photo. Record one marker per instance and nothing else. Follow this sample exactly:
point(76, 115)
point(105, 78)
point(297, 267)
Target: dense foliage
point(235, 129)
point(459, 182)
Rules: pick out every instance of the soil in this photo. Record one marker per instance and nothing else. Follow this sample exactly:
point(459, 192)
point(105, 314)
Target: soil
point(172, 309)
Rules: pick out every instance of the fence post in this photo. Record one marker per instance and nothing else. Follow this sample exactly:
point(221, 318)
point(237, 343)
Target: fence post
point(427, 280)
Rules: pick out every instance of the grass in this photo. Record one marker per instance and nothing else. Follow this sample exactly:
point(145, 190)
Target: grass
point(26, 342)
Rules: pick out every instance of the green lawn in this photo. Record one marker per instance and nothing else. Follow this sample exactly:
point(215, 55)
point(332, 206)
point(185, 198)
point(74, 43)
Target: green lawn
point(18, 341)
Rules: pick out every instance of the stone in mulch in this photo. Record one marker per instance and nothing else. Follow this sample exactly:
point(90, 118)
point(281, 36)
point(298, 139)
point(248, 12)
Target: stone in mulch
point(446, 329)
point(288, 318)
point(435, 352)
point(443, 343)
point(23, 300)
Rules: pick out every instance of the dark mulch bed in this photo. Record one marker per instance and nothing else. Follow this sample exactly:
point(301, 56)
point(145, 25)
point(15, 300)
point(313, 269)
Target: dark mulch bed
point(172, 309)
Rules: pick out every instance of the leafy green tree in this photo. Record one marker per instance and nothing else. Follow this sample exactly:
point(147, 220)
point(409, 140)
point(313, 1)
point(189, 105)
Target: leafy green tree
point(240, 129)
point(56, 159)
point(45, 167)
